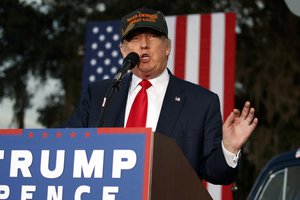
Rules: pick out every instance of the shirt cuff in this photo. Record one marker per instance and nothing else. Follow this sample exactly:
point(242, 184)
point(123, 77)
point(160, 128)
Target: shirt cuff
point(231, 159)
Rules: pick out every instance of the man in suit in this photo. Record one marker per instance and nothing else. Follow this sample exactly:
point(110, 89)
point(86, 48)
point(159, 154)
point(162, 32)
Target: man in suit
point(176, 108)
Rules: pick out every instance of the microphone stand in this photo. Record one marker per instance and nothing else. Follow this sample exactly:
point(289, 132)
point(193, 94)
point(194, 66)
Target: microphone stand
point(107, 98)
point(130, 61)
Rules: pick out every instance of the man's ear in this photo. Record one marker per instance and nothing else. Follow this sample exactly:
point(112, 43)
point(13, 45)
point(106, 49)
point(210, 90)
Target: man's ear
point(123, 50)
point(168, 47)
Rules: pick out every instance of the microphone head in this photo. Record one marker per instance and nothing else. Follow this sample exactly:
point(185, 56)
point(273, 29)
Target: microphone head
point(133, 58)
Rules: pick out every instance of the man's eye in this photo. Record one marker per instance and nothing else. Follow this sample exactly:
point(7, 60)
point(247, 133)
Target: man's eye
point(135, 38)
point(152, 36)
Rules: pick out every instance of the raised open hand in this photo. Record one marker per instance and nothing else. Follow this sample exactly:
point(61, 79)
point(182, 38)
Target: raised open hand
point(238, 127)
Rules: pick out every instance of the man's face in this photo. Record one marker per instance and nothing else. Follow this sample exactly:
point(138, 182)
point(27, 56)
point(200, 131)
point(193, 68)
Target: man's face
point(153, 49)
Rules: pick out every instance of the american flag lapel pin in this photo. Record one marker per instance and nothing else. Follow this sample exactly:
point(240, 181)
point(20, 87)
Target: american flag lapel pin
point(177, 99)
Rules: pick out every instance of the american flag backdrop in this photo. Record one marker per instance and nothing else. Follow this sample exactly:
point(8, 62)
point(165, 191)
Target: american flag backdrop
point(203, 52)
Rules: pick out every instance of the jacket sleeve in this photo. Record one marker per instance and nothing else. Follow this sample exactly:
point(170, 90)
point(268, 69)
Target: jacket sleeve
point(215, 168)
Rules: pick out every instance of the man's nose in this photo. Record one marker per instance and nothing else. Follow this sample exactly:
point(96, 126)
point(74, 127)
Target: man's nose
point(144, 43)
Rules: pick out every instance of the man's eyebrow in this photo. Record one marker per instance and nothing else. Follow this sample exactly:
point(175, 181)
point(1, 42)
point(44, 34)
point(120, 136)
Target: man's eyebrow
point(133, 34)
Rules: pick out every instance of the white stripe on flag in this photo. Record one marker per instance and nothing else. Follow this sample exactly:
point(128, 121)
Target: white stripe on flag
point(171, 21)
point(192, 49)
point(192, 61)
point(217, 56)
point(215, 191)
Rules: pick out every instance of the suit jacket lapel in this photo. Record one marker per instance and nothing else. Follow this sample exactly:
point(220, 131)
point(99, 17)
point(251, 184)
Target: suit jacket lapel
point(114, 117)
point(173, 102)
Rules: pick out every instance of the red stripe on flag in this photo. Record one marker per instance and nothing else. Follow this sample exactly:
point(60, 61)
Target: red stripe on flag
point(180, 46)
point(205, 46)
point(229, 64)
point(229, 74)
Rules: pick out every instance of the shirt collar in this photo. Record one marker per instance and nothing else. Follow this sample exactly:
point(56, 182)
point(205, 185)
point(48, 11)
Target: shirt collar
point(157, 82)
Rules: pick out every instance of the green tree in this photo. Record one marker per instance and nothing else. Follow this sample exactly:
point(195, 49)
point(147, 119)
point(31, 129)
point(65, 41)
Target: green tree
point(18, 43)
point(42, 41)
point(268, 68)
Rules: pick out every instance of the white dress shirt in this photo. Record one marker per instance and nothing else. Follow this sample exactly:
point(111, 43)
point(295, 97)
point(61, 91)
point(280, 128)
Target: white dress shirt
point(156, 94)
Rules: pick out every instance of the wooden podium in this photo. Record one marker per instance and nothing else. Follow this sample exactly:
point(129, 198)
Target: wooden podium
point(95, 163)
point(173, 178)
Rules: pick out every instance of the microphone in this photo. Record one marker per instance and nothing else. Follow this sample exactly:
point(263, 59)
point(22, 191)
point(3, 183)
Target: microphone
point(129, 62)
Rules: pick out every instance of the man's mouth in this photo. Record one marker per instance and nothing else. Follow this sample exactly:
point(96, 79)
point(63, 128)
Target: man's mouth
point(144, 58)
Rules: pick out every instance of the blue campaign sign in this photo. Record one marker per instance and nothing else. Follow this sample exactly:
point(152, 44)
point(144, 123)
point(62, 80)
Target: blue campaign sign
point(86, 163)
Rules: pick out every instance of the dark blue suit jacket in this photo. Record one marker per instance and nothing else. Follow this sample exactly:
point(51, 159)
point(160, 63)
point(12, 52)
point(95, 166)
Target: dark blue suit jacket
point(194, 122)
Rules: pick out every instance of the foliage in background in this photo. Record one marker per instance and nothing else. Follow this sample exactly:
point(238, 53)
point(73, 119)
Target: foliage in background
point(268, 66)
point(45, 40)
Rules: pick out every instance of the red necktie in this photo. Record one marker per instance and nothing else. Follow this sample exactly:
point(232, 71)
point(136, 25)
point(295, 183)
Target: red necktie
point(138, 112)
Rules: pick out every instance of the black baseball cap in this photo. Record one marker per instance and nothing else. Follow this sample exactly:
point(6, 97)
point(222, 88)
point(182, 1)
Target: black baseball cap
point(143, 18)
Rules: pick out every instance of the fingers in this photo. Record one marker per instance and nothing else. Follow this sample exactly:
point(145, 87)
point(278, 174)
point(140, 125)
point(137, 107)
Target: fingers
point(245, 110)
point(236, 112)
point(248, 114)
point(254, 124)
point(230, 119)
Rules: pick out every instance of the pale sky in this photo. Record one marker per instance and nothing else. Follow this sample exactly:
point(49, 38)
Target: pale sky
point(6, 113)
point(6, 116)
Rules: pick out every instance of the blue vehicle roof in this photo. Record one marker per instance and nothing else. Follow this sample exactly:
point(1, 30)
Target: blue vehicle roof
point(281, 161)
